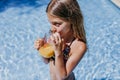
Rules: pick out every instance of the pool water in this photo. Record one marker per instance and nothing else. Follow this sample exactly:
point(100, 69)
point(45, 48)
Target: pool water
point(22, 22)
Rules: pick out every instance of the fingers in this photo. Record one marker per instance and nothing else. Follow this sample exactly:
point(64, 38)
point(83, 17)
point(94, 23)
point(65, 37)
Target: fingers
point(38, 43)
point(56, 39)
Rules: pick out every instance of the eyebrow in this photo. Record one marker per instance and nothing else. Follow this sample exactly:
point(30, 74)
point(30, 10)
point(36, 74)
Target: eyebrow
point(59, 22)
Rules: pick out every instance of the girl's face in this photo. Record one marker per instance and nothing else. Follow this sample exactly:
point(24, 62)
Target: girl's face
point(59, 25)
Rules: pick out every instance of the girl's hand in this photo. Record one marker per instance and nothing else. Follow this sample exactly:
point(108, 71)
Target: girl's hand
point(39, 43)
point(46, 60)
point(57, 43)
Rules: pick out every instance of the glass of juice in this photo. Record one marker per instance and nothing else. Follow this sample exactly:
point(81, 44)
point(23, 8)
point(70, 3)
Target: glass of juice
point(46, 50)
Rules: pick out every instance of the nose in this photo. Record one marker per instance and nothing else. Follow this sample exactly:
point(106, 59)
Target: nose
point(53, 30)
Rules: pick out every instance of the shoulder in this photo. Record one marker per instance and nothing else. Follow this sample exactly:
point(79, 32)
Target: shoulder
point(78, 47)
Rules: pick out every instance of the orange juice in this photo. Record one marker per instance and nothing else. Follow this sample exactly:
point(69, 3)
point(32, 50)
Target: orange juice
point(46, 51)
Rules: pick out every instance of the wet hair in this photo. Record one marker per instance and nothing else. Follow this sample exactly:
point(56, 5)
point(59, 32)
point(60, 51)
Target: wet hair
point(69, 10)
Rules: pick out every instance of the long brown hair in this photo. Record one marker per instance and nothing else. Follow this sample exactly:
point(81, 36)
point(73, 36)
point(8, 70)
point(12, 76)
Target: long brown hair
point(70, 11)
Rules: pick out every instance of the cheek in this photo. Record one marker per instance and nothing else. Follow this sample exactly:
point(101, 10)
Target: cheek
point(64, 31)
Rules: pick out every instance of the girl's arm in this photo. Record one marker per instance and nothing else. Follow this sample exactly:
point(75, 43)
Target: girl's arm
point(64, 70)
point(77, 51)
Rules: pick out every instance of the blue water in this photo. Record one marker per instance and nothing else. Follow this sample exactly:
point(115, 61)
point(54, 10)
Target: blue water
point(23, 21)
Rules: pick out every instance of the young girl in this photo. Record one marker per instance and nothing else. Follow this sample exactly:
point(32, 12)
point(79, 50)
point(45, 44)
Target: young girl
point(68, 38)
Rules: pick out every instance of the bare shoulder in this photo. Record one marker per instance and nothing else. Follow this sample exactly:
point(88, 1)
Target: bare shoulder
point(78, 47)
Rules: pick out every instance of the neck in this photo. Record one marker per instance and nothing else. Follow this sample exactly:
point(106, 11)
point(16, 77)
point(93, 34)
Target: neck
point(68, 40)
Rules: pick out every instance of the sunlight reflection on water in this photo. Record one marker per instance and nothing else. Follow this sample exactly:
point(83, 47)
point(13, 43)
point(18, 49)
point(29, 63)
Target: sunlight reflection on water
point(21, 26)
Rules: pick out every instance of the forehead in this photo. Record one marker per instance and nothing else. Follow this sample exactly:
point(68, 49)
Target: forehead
point(52, 18)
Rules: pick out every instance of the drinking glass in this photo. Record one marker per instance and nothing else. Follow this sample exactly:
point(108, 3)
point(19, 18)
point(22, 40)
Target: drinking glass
point(46, 50)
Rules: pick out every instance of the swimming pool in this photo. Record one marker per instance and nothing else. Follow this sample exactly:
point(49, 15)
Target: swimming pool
point(22, 22)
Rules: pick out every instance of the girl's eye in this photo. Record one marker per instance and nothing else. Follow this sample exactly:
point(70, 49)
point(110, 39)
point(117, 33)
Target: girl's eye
point(57, 24)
